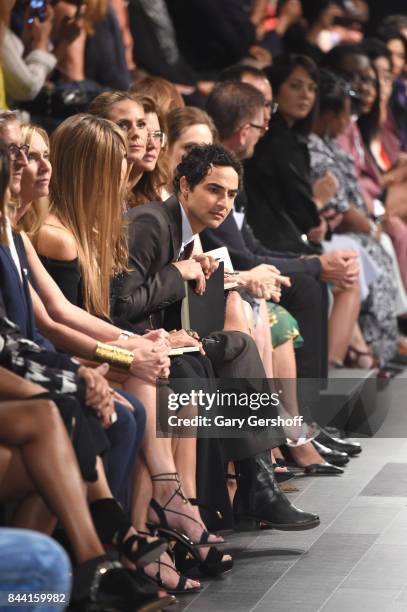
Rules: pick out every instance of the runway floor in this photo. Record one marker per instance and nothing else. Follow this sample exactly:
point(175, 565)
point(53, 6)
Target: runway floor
point(356, 560)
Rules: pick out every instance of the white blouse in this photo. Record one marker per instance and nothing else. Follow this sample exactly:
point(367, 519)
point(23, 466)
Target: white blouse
point(23, 76)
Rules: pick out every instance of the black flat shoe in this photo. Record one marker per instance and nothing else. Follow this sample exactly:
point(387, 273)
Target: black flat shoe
point(331, 456)
point(262, 503)
point(338, 444)
point(284, 476)
point(322, 469)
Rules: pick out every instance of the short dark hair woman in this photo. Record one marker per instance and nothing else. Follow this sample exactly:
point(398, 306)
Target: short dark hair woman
point(277, 178)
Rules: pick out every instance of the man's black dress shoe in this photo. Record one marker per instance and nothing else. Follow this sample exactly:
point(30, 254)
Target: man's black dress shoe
point(338, 444)
point(322, 469)
point(261, 502)
point(332, 456)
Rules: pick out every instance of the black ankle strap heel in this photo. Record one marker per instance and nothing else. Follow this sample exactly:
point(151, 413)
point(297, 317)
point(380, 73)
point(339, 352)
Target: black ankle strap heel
point(162, 527)
point(112, 526)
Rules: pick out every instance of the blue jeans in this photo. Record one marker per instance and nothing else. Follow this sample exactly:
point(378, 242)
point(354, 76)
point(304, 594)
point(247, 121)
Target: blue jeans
point(31, 562)
point(125, 438)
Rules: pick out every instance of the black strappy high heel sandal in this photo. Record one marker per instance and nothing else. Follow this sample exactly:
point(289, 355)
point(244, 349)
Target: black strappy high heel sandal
point(162, 527)
point(213, 565)
point(179, 589)
point(112, 525)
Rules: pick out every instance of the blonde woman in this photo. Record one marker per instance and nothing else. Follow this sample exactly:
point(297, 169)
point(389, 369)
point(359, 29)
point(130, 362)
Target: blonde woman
point(84, 225)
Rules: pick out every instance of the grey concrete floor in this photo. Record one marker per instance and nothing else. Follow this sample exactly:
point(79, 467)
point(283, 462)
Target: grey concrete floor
point(355, 561)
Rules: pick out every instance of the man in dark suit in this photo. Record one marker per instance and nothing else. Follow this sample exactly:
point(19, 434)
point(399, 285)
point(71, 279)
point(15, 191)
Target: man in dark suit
point(240, 126)
point(161, 237)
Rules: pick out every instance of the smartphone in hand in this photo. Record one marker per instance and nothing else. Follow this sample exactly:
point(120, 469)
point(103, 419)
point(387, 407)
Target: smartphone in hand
point(37, 9)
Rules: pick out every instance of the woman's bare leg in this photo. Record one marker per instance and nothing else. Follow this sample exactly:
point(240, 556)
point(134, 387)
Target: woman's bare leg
point(262, 338)
point(44, 460)
point(142, 494)
point(157, 453)
point(236, 317)
point(344, 316)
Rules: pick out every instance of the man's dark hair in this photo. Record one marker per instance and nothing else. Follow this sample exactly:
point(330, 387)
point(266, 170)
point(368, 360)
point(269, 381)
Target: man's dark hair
point(231, 104)
point(197, 163)
point(236, 72)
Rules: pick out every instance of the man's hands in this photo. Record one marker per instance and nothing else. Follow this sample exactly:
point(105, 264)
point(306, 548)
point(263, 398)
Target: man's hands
point(99, 396)
point(264, 281)
point(340, 267)
point(199, 268)
point(180, 338)
point(209, 265)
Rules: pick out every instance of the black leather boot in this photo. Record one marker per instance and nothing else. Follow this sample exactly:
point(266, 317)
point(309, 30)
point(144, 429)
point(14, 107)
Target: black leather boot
point(269, 506)
point(243, 502)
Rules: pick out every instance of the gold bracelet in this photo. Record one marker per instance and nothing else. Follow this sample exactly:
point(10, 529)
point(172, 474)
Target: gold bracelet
point(113, 355)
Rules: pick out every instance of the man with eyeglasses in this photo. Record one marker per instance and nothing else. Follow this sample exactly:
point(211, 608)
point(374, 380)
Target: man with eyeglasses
point(10, 134)
point(257, 78)
point(306, 298)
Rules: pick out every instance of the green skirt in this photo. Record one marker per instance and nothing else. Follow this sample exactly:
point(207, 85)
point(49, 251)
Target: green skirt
point(283, 326)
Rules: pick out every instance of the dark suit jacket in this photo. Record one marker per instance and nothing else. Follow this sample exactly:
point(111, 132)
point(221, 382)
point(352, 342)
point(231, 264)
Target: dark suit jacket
point(152, 283)
point(246, 251)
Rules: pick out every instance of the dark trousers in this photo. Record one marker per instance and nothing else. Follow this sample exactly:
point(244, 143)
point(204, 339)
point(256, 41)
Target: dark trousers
point(238, 365)
point(125, 438)
point(307, 301)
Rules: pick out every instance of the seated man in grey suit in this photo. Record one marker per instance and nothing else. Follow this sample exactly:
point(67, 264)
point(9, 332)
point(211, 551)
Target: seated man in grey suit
point(161, 237)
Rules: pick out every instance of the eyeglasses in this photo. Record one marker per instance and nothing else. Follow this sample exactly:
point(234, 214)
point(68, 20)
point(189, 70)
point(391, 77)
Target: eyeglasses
point(273, 106)
point(17, 152)
point(159, 137)
point(261, 128)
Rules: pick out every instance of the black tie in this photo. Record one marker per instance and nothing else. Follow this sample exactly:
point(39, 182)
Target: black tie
point(187, 252)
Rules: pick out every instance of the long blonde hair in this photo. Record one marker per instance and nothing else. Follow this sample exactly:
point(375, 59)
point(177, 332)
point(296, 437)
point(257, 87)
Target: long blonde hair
point(4, 182)
point(36, 214)
point(86, 194)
